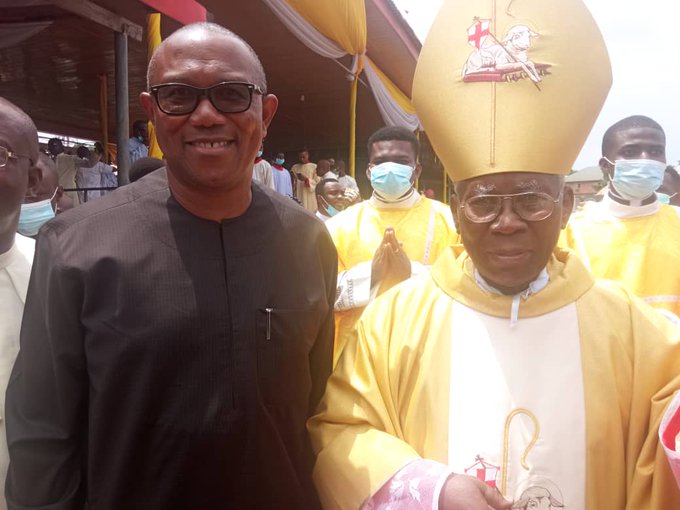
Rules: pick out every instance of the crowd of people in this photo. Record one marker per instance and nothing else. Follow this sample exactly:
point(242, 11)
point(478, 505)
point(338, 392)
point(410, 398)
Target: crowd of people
point(226, 333)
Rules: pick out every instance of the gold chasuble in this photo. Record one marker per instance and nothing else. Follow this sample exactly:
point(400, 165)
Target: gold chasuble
point(425, 229)
point(642, 251)
point(580, 424)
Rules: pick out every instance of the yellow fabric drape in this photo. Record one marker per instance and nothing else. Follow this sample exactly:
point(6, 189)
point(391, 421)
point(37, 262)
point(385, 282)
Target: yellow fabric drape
point(341, 21)
point(399, 97)
point(154, 38)
point(345, 23)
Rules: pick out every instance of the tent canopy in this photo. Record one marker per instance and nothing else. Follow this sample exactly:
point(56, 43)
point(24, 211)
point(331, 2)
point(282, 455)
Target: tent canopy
point(55, 73)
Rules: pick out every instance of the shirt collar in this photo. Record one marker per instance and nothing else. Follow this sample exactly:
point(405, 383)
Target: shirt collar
point(630, 210)
point(406, 202)
point(534, 287)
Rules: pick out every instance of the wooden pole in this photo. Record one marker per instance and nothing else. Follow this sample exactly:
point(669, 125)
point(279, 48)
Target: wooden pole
point(353, 124)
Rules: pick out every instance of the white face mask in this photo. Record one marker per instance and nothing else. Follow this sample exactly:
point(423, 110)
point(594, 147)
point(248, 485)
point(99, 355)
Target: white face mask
point(637, 179)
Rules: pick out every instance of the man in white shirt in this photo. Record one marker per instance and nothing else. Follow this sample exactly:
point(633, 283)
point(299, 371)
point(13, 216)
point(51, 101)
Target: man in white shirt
point(323, 170)
point(347, 181)
point(262, 171)
point(18, 176)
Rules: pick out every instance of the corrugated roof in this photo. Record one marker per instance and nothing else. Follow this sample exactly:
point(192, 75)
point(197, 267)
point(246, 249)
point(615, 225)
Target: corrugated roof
point(53, 75)
point(589, 174)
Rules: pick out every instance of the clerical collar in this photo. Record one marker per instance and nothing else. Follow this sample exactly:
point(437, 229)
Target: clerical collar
point(613, 195)
point(621, 208)
point(534, 287)
point(406, 202)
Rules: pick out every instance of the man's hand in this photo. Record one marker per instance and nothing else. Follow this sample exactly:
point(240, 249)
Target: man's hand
point(301, 176)
point(352, 196)
point(390, 263)
point(462, 492)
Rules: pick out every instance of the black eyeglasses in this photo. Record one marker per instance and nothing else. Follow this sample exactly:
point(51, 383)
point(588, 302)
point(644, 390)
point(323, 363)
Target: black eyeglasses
point(6, 155)
point(530, 206)
point(226, 97)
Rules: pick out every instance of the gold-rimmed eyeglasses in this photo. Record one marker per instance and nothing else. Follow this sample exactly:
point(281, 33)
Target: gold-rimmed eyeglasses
point(6, 155)
point(529, 205)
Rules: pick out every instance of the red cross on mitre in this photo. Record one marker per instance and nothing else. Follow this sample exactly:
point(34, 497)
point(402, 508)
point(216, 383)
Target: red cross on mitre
point(478, 32)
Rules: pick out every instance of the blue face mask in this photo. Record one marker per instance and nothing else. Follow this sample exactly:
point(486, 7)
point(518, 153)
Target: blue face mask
point(35, 215)
point(637, 179)
point(279, 161)
point(391, 180)
point(330, 210)
point(259, 154)
point(664, 198)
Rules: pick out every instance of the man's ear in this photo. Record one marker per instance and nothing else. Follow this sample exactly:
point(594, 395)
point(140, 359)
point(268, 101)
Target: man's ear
point(567, 205)
point(607, 169)
point(270, 104)
point(35, 177)
point(416, 172)
point(146, 100)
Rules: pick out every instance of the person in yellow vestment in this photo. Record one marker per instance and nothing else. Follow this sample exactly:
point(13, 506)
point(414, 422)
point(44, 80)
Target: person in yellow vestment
point(630, 236)
point(305, 172)
point(393, 235)
point(506, 377)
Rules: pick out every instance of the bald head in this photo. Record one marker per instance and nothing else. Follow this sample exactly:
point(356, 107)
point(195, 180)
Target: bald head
point(20, 128)
point(19, 176)
point(197, 32)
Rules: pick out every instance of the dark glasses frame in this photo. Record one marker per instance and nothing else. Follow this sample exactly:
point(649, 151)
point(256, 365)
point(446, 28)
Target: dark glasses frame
point(206, 92)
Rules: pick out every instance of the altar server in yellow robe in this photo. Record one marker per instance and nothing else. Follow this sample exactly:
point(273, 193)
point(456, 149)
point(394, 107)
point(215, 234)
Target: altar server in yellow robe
point(633, 235)
point(506, 377)
point(395, 234)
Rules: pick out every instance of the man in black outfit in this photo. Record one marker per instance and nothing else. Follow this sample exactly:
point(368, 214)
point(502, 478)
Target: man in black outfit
point(178, 331)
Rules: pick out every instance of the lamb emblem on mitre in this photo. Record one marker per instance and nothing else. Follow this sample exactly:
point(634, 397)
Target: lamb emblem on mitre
point(501, 60)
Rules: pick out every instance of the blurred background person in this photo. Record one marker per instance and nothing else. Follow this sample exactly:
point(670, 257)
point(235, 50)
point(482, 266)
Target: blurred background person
point(330, 199)
point(138, 144)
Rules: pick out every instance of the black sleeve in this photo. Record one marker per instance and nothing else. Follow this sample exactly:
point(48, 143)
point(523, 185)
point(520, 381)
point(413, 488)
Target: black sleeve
point(321, 355)
point(46, 402)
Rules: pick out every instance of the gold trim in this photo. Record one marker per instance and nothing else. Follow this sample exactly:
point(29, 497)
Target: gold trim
point(506, 445)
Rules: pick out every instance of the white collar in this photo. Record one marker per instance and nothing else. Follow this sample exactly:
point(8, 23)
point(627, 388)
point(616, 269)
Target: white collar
point(634, 210)
point(406, 202)
point(534, 287)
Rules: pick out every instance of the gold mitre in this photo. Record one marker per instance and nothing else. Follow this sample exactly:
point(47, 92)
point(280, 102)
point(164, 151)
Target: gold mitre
point(510, 86)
